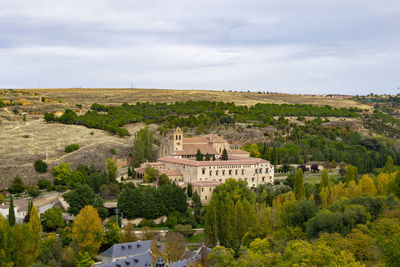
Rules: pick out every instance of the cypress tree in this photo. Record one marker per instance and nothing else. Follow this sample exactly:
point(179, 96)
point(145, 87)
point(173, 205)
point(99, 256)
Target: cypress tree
point(213, 157)
point(199, 156)
point(207, 157)
point(189, 190)
point(224, 155)
point(11, 213)
point(299, 191)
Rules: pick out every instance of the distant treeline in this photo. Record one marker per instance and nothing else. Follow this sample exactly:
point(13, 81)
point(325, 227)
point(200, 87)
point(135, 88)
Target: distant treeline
point(191, 114)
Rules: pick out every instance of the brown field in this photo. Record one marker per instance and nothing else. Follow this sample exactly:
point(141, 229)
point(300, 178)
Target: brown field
point(22, 142)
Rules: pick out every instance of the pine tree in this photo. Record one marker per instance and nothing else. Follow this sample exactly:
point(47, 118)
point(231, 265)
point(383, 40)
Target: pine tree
point(299, 190)
point(324, 179)
point(11, 213)
point(224, 154)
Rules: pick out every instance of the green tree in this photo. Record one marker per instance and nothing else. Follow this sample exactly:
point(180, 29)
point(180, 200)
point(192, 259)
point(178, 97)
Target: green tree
point(299, 190)
point(40, 166)
point(52, 219)
point(78, 198)
point(11, 212)
point(189, 190)
point(84, 260)
point(351, 173)
point(221, 257)
point(197, 206)
point(143, 146)
point(224, 154)
point(112, 234)
point(199, 155)
point(17, 186)
point(162, 179)
point(207, 158)
point(98, 204)
point(62, 174)
point(388, 165)
point(324, 179)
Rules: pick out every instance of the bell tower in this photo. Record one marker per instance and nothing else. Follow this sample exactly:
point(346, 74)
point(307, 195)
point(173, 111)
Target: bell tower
point(178, 139)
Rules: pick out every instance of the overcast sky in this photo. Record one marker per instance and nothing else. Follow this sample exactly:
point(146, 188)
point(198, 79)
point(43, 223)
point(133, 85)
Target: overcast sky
point(298, 46)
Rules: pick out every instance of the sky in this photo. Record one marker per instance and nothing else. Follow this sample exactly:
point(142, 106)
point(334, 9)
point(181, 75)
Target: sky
point(292, 46)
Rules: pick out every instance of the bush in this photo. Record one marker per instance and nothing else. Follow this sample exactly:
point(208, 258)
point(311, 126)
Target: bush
point(61, 188)
point(40, 166)
point(17, 186)
point(186, 230)
point(71, 147)
point(33, 191)
point(44, 184)
point(146, 222)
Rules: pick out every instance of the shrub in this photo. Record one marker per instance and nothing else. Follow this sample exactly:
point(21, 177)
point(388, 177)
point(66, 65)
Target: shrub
point(33, 191)
point(44, 184)
point(146, 222)
point(40, 166)
point(17, 186)
point(71, 147)
point(186, 230)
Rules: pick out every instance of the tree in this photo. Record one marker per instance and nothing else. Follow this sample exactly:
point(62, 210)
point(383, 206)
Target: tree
point(221, 257)
point(388, 165)
point(35, 229)
point(351, 173)
point(128, 234)
point(52, 219)
point(189, 190)
point(40, 166)
point(84, 260)
point(143, 146)
point(174, 247)
point(151, 174)
point(33, 191)
point(224, 154)
point(207, 158)
point(197, 206)
point(147, 233)
point(155, 250)
point(213, 157)
point(44, 184)
point(62, 173)
point(367, 185)
point(298, 212)
point(199, 156)
point(87, 231)
point(11, 212)
point(112, 234)
point(163, 179)
point(80, 197)
point(324, 179)
point(299, 190)
point(98, 204)
point(17, 186)
point(186, 229)
point(71, 147)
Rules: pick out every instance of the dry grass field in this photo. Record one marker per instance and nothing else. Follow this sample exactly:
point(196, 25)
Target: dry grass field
point(24, 141)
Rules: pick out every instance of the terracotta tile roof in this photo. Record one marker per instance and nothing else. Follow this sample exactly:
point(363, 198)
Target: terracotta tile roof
point(171, 172)
point(206, 183)
point(195, 140)
point(191, 149)
point(237, 151)
point(232, 161)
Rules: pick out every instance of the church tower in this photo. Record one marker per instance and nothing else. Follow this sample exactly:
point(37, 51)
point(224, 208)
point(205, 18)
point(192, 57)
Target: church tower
point(178, 139)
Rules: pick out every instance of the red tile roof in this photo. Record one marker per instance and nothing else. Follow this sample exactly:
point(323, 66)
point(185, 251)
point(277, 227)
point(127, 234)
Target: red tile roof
point(241, 161)
point(206, 183)
point(171, 172)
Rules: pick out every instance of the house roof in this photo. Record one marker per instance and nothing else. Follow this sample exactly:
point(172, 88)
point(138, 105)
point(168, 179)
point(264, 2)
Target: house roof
point(171, 172)
point(127, 249)
point(237, 151)
point(236, 161)
point(138, 260)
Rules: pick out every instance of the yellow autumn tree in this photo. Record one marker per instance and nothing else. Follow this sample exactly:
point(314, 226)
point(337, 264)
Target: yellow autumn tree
point(325, 198)
point(367, 185)
point(337, 191)
point(35, 229)
point(87, 230)
point(383, 183)
point(353, 189)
